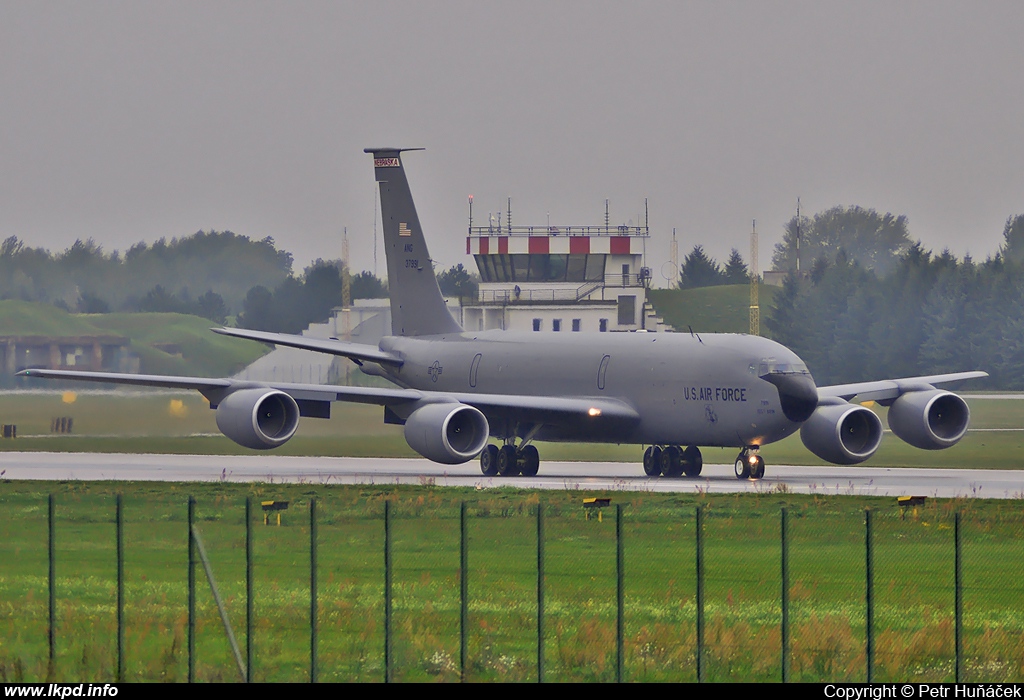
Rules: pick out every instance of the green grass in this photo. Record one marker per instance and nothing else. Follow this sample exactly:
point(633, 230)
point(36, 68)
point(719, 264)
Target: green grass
point(913, 585)
point(723, 309)
point(203, 353)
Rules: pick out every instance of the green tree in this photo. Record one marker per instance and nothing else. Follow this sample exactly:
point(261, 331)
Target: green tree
point(699, 270)
point(1013, 239)
point(367, 285)
point(736, 271)
point(457, 281)
point(874, 241)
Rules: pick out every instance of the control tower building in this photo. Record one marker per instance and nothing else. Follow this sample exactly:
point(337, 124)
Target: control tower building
point(560, 279)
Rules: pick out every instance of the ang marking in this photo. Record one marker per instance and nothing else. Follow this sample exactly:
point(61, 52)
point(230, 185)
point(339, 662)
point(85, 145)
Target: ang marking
point(435, 371)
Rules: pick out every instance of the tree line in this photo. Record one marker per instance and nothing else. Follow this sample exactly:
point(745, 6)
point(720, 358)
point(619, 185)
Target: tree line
point(218, 275)
point(900, 310)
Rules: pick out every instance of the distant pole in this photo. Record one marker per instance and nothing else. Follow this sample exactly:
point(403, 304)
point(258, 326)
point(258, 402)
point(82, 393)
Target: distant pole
point(312, 592)
point(387, 593)
point(540, 592)
point(755, 306)
point(52, 586)
point(120, 590)
point(869, 595)
point(620, 622)
point(798, 237)
point(250, 647)
point(785, 597)
point(959, 587)
point(463, 592)
point(700, 594)
point(191, 592)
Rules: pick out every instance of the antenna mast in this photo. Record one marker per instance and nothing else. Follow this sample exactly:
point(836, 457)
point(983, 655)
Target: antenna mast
point(346, 295)
point(755, 309)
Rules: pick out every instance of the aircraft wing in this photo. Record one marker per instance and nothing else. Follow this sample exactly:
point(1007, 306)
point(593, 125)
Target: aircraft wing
point(534, 409)
point(357, 352)
point(888, 389)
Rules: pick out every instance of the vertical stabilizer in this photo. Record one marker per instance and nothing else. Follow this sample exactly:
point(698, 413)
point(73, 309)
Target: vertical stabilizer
point(417, 307)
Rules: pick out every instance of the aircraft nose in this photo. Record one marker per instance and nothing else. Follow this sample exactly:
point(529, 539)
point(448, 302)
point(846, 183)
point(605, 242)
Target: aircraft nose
point(797, 393)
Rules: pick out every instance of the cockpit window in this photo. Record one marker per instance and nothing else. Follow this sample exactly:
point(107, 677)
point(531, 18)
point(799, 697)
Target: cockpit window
point(770, 365)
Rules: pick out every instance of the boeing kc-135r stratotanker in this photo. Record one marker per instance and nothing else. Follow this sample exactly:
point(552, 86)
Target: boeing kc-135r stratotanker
point(675, 392)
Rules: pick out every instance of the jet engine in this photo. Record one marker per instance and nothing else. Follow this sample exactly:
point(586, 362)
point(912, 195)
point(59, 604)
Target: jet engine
point(449, 433)
point(842, 433)
point(258, 418)
point(930, 420)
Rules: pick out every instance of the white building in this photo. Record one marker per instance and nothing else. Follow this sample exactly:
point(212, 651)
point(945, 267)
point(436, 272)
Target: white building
point(560, 279)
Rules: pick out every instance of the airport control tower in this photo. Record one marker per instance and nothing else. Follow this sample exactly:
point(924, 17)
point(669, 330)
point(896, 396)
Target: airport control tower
point(560, 278)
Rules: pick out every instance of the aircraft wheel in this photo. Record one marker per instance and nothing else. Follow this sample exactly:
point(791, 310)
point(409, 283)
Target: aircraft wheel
point(508, 464)
point(489, 460)
point(693, 461)
point(672, 461)
point(529, 461)
point(742, 467)
point(757, 468)
point(652, 461)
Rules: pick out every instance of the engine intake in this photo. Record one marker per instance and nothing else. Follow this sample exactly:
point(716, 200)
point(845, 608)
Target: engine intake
point(260, 419)
point(842, 433)
point(930, 420)
point(449, 433)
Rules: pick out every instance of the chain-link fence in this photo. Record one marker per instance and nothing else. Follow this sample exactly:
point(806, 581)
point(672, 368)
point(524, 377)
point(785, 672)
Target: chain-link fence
point(363, 588)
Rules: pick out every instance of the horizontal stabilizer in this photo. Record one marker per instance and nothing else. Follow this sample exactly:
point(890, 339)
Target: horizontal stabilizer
point(357, 352)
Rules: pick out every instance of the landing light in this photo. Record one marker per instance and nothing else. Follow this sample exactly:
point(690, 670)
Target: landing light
point(594, 412)
point(752, 459)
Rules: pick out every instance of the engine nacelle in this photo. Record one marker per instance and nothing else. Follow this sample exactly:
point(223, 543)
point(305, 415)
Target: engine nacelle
point(258, 418)
point(930, 420)
point(449, 433)
point(842, 433)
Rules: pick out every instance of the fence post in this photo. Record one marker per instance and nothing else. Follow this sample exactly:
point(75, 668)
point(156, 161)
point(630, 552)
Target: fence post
point(191, 592)
point(250, 648)
point(120, 591)
point(387, 592)
point(785, 597)
point(959, 586)
point(619, 619)
point(463, 591)
point(869, 597)
point(540, 593)
point(700, 594)
point(52, 588)
point(312, 592)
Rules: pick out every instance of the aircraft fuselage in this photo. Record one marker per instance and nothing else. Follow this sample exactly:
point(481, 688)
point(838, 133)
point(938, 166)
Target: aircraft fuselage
point(690, 390)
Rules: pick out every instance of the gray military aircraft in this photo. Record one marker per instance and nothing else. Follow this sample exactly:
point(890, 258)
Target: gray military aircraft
point(675, 392)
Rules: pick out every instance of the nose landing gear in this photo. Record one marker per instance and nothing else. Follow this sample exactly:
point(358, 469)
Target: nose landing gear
point(749, 464)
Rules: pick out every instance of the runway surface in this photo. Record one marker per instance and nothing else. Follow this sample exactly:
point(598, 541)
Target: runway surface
point(586, 476)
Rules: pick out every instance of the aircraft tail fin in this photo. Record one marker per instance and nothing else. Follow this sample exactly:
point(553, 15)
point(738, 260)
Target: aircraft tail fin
point(417, 306)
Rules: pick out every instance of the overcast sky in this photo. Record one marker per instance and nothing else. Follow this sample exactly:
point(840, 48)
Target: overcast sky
point(133, 121)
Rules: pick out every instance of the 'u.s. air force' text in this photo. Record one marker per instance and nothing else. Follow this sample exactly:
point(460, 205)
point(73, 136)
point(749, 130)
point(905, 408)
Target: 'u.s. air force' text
point(718, 393)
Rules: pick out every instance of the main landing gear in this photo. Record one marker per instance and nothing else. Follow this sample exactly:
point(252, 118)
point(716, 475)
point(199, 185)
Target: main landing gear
point(673, 461)
point(509, 461)
point(749, 464)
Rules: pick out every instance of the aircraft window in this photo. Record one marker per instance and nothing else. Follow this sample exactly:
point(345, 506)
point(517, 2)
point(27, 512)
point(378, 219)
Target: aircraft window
point(773, 366)
point(602, 371)
point(474, 368)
